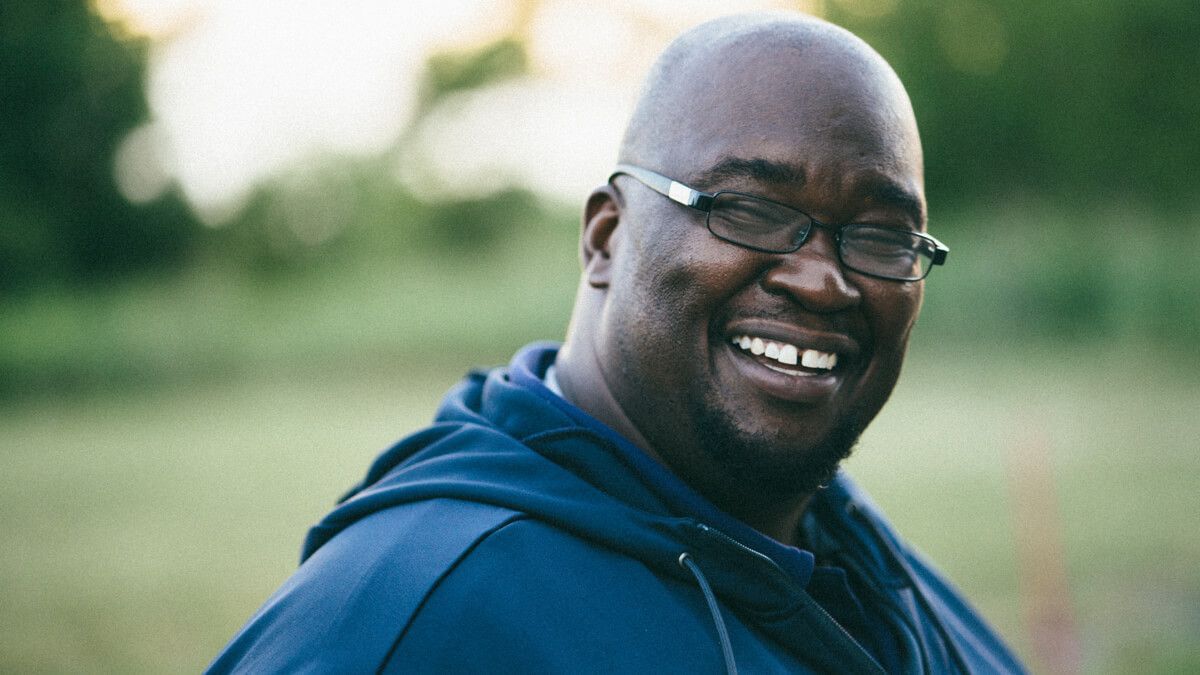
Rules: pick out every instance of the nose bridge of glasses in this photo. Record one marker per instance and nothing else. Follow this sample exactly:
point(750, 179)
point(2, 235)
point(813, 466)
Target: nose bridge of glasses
point(833, 235)
point(816, 261)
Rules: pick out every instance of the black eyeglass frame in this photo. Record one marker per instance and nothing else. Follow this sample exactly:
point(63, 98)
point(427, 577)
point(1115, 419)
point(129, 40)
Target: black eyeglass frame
point(703, 202)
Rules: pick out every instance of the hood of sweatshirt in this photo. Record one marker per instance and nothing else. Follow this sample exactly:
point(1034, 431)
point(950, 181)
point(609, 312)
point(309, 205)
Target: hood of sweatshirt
point(502, 438)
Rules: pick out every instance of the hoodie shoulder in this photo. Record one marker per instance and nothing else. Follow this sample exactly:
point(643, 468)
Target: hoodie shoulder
point(345, 607)
point(535, 598)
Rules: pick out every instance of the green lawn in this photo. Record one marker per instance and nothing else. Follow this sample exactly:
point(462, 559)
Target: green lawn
point(142, 528)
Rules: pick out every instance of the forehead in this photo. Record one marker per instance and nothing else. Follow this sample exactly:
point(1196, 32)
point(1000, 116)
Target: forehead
point(829, 115)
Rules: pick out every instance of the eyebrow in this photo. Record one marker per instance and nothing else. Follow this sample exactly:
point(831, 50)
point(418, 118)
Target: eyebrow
point(889, 193)
point(758, 169)
point(782, 173)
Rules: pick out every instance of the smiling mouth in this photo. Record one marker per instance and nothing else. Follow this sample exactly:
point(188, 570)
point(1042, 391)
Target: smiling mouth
point(786, 358)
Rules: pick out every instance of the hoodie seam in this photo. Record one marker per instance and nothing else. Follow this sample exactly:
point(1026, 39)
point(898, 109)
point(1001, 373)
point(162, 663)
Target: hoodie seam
point(561, 432)
point(466, 553)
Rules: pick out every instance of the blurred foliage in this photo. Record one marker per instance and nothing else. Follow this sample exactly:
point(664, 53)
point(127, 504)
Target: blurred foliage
point(1061, 148)
point(1068, 277)
point(1081, 101)
point(457, 71)
point(365, 306)
point(70, 92)
point(340, 212)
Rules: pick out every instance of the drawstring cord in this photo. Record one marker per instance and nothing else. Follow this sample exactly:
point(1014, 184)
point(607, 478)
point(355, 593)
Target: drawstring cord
point(686, 562)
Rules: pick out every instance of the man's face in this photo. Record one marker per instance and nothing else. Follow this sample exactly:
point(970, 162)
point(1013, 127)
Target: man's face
point(836, 145)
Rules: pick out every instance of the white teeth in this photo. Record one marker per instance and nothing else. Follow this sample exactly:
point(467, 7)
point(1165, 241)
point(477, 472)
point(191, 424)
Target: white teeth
point(786, 354)
point(811, 358)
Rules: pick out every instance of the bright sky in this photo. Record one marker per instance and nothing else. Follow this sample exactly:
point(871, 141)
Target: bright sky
point(242, 91)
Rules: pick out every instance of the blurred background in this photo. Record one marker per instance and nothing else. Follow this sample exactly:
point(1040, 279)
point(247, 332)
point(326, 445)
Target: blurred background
point(246, 244)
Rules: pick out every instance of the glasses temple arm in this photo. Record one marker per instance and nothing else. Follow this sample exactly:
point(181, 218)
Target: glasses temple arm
point(672, 189)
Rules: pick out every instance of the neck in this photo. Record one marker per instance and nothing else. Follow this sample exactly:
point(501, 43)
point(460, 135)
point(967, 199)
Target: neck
point(777, 518)
point(581, 379)
point(582, 384)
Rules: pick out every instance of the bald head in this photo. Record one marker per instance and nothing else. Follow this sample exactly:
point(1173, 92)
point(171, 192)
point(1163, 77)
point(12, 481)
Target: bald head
point(758, 75)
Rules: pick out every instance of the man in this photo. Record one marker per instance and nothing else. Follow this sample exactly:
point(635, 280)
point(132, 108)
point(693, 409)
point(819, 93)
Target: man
point(661, 494)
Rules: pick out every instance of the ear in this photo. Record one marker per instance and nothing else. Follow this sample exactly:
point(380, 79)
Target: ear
point(601, 216)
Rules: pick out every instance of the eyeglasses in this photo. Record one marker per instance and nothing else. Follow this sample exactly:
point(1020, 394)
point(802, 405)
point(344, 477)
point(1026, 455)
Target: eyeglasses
point(760, 224)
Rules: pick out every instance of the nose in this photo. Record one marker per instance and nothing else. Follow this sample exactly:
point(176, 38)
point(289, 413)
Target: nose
point(813, 276)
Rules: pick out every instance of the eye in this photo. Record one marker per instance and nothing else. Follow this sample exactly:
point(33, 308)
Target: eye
point(756, 217)
point(748, 212)
point(894, 254)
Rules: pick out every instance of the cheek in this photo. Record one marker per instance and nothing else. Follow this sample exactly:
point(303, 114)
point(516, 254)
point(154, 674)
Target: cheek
point(685, 277)
point(671, 280)
point(893, 310)
point(662, 311)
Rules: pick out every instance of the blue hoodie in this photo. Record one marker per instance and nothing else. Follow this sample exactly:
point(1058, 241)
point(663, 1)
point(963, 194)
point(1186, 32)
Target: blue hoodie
point(518, 534)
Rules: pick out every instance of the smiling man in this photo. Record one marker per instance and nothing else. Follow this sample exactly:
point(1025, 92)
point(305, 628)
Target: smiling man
point(661, 493)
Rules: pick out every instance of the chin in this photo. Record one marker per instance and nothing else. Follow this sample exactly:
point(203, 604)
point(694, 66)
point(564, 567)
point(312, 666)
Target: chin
point(771, 465)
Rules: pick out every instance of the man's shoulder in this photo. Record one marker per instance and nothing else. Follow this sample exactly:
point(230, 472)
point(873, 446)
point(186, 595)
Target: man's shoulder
point(344, 608)
point(516, 590)
point(427, 534)
point(534, 597)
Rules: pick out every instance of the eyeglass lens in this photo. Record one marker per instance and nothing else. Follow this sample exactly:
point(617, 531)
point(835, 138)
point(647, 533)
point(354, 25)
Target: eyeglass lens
point(767, 226)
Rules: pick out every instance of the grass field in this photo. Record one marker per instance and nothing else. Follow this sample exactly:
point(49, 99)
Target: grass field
point(142, 528)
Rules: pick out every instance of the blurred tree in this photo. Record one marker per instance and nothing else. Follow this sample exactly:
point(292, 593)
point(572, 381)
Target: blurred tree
point(356, 207)
point(449, 72)
point(71, 92)
point(1084, 102)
